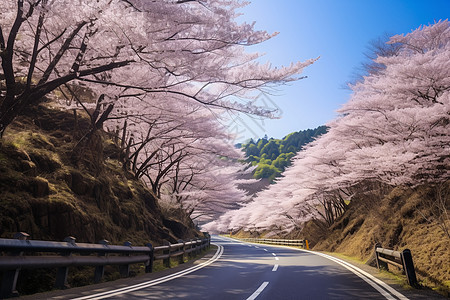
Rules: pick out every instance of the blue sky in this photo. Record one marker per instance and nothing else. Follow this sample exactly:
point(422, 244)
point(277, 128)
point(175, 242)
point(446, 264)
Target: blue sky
point(339, 31)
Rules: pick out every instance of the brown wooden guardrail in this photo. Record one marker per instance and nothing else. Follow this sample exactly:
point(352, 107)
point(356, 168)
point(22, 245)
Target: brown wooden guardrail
point(402, 260)
point(21, 253)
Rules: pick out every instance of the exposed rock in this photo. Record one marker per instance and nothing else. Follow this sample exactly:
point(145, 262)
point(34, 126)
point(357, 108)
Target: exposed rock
point(44, 162)
point(28, 167)
point(40, 187)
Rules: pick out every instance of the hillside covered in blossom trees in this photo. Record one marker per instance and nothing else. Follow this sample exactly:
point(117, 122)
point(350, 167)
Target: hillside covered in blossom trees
point(385, 161)
point(155, 81)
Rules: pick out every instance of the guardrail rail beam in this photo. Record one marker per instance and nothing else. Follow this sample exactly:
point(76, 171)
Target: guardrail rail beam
point(13, 259)
point(402, 260)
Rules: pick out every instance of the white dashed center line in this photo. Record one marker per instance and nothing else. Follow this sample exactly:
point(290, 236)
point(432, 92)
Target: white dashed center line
point(258, 291)
point(275, 268)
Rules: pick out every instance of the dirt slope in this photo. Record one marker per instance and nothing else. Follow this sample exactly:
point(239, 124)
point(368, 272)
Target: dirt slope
point(52, 191)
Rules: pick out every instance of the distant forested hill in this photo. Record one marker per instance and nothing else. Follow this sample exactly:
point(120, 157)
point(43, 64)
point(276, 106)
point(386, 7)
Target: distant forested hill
point(272, 156)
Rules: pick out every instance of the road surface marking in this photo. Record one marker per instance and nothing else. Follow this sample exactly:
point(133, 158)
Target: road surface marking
point(276, 258)
point(258, 291)
point(153, 282)
point(274, 254)
point(275, 268)
point(374, 282)
point(371, 280)
point(265, 250)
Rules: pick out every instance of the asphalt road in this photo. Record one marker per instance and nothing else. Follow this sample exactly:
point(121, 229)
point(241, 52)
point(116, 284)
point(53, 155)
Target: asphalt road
point(249, 271)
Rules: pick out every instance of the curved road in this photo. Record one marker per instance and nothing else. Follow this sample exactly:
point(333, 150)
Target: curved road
point(249, 271)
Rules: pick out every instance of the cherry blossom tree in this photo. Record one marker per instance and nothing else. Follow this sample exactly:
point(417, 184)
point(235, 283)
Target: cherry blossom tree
point(184, 155)
point(403, 111)
point(190, 50)
point(208, 192)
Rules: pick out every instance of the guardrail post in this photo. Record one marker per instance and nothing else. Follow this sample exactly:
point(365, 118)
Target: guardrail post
point(166, 261)
point(191, 249)
point(62, 272)
point(196, 252)
point(198, 246)
point(149, 265)
point(9, 280)
point(408, 265)
point(124, 270)
point(181, 257)
point(204, 244)
point(306, 244)
point(380, 264)
point(208, 238)
point(100, 270)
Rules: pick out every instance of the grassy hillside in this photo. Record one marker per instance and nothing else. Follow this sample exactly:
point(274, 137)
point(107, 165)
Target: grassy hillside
point(52, 186)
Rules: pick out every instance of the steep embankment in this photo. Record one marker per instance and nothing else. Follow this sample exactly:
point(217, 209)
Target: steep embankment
point(404, 219)
point(52, 186)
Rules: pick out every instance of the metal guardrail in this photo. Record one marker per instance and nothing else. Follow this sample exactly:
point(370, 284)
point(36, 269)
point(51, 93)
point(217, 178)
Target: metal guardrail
point(402, 260)
point(21, 253)
point(301, 243)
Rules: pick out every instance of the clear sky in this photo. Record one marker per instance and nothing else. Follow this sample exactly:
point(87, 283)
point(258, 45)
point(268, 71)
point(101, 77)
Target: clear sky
point(339, 31)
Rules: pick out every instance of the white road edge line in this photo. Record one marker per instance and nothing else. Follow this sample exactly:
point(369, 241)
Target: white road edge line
point(357, 273)
point(363, 274)
point(275, 268)
point(371, 280)
point(258, 291)
point(150, 283)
